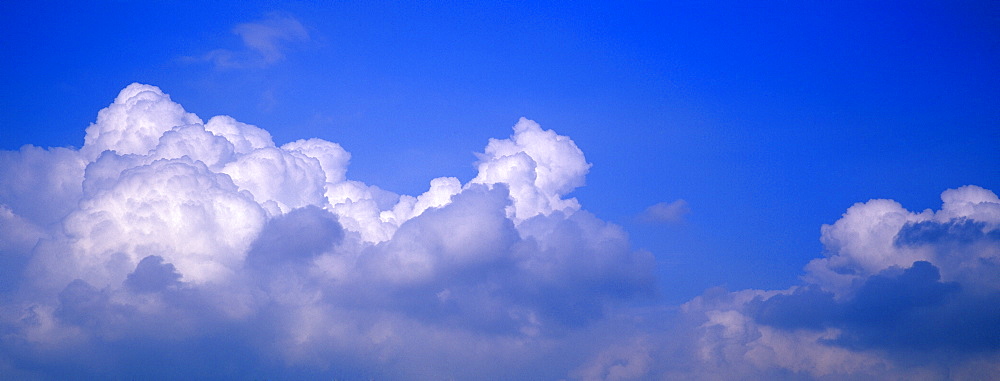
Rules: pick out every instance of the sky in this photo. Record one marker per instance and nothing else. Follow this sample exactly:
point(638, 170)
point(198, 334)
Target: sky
point(566, 190)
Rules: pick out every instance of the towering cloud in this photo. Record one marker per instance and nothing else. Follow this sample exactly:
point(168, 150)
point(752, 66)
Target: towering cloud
point(172, 247)
point(166, 232)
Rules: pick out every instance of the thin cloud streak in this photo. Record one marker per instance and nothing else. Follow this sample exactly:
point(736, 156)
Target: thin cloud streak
point(665, 213)
point(265, 43)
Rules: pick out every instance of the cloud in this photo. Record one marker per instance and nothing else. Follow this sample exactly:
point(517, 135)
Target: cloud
point(899, 309)
point(538, 166)
point(899, 295)
point(172, 247)
point(267, 36)
point(170, 237)
point(265, 42)
point(152, 275)
point(663, 212)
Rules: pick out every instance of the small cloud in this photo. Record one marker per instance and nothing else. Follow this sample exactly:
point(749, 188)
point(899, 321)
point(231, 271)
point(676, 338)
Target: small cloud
point(265, 42)
point(269, 37)
point(665, 213)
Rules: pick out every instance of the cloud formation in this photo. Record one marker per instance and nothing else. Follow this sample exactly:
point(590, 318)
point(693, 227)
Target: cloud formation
point(166, 232)
point(168, 246)
point(665, 213)
point(899, 295)
point(265, 42)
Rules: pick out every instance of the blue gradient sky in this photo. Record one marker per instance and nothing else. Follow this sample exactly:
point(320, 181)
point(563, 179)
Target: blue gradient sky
point(768, 119)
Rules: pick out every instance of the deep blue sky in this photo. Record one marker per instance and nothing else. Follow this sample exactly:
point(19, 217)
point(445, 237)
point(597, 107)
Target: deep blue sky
point(768, 119)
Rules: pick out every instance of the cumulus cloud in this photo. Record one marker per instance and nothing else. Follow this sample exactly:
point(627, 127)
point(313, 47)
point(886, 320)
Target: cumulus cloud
point(169, 236)
point(538, 166)
point(899, 295)
point(167, 246)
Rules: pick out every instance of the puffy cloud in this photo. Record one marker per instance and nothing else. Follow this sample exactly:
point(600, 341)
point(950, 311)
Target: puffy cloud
point(245, 138)
point(178, 209)
point(18, 237)
point(900, 295)
point(880, 234)
point(279, 179)
point(41, 185)
point(538, 165)
point(167, 245)
point(135, 122)
point(166, 242)
point(332, 158)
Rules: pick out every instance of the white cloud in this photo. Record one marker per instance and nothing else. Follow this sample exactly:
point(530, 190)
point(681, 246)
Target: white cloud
point(865, 240)
point(41, 185)
point(539, 167)
point(169, 231)
point(134, 123)
point(167, 243)
point(900, 295)
point(177, 209)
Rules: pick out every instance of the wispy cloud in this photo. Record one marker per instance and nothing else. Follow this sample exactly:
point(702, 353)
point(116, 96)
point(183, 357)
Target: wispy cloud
point(264, 42)
point(270, 36)
point(664, 212)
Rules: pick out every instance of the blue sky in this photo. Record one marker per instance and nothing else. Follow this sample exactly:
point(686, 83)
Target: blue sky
point(768, 119)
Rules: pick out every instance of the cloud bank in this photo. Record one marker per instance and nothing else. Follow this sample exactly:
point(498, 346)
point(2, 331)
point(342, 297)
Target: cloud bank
point(172, 247)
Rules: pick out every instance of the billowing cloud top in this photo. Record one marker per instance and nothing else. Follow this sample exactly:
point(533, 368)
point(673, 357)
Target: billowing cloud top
point(899, 295)
point(164, 229)
point(172, 247)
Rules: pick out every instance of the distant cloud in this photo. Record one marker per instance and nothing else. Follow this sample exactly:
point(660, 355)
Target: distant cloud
point(900, 295)
point(669, 213)
point(265, 42)
point(269, 36)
